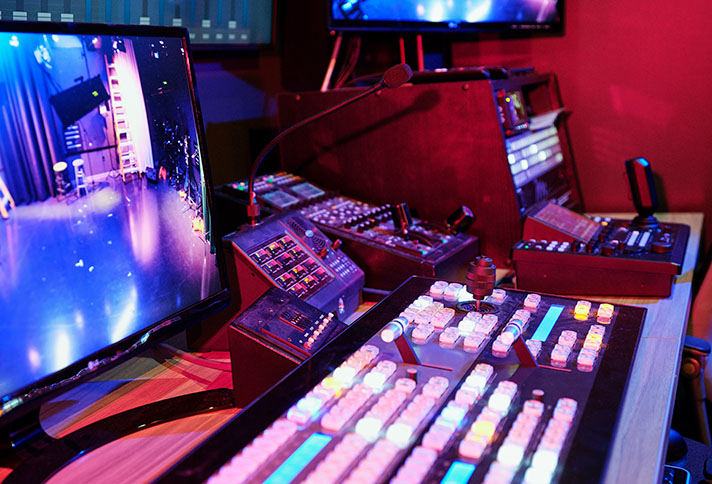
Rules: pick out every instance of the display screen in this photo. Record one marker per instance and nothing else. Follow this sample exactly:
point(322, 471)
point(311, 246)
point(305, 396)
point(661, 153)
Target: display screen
point(211, 22)
point(447, 15)
point(105, 227)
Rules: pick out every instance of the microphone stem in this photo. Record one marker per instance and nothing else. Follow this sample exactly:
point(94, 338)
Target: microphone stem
point(253, 207)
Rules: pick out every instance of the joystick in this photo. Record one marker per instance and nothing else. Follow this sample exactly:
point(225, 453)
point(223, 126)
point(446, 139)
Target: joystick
point(642, 186)
point(480, 278)
point(402, 220)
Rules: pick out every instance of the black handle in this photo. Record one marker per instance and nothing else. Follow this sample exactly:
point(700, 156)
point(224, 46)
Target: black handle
point(642, 186)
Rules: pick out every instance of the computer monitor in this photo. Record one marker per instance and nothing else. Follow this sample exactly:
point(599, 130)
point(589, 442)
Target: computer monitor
point(222, 24)
point(106, 240)
point(503, 16)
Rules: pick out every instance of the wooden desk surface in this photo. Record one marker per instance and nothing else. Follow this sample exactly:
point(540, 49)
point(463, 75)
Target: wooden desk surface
point(640, 444)
point(637, 454)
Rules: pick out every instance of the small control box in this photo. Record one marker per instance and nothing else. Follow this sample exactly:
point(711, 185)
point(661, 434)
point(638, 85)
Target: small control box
point(271, 337)
point(564, 252)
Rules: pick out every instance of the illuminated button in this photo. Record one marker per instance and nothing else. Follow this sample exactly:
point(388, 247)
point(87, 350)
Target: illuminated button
point(449, 336)
point(568, 338)
point(421, 333)
point(473, 341)
point(472, 449)
point(498, 295)
point(452, 291)
point(387, 367)
point(534, 347)
point(597, 329)
point(454, 412)
point(630, 242)
point(500, 348)
point(535, 475)
point(399, 433)
point(298, 415)
point(489, 321)
point(546, 460)
point(309, 404)
point(510, 455)
point(467, 396)
point(374, 379)
point(422, 301)
point(605, 311)
point(592, 342)
point(433, 391)
point(437, 437)
point(438, 288)
point(466, 325)
point(499, 473)
point(533, 407)
point(499, 402)
point(334, 420)
point(532, 301)
point(559, 355)
point(345, 374)
point(582, 309)
point(405, 385)
point(369, 427)
point(522, 314)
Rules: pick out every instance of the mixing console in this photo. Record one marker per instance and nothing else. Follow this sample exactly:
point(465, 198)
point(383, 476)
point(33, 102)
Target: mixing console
point(473, 410)
point(369, 232)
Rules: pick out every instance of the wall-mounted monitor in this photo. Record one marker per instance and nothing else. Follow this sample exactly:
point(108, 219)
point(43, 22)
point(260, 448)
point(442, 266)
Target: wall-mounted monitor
point(447, 15)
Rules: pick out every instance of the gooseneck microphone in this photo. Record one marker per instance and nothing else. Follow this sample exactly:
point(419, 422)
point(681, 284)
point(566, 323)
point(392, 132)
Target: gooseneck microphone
point(393, 77)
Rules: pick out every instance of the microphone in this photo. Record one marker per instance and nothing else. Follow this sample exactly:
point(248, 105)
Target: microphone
point(393, 77)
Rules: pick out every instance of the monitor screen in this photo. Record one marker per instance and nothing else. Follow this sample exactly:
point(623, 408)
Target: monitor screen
point(447, 15)
point(221, 23)
point(105, 227)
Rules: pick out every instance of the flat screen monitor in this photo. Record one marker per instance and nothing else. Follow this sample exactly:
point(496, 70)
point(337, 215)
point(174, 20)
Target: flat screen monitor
point(105, 228)
point(447, 15)
point(212, 23)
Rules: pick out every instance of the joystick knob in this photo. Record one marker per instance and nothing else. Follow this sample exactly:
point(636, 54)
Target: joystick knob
point(642, 187)
point(480, 278)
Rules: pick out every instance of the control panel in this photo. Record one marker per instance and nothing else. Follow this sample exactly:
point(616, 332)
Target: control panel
point(512, 388)
point(271, 337)
point(384, 240)
point(288, 251)
point(565, 252)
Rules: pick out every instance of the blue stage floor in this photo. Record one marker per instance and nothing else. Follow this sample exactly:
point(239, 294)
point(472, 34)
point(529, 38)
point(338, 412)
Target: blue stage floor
point(77, 275)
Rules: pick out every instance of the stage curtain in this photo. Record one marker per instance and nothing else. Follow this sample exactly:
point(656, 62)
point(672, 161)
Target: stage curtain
point(28, 131)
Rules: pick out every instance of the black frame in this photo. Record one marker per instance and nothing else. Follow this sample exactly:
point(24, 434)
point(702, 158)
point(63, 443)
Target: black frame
point(40, 391)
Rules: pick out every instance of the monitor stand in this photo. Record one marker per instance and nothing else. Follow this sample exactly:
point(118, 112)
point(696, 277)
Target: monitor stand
point(38, 456)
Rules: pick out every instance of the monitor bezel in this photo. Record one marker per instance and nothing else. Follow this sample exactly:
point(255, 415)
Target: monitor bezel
point(46, 388)
point(508, 28)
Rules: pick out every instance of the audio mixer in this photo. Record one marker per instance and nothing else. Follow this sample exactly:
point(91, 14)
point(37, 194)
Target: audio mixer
point(383, 240)
point(514, 388)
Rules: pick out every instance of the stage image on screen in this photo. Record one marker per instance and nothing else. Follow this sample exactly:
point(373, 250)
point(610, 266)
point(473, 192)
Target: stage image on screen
point(104, 228)
point(455, 11)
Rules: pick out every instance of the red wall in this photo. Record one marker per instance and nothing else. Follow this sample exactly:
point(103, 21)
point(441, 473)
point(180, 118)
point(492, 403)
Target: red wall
point(636, 78)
